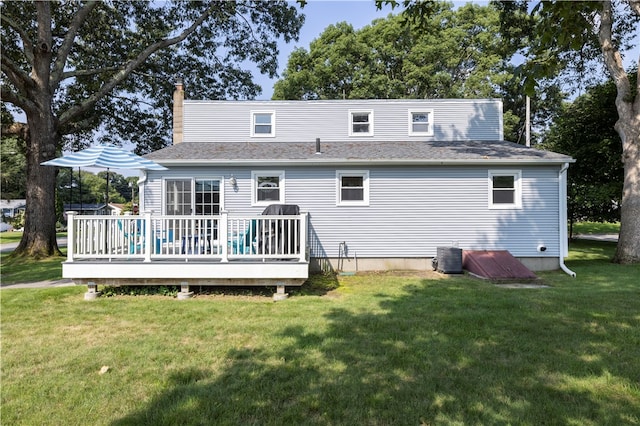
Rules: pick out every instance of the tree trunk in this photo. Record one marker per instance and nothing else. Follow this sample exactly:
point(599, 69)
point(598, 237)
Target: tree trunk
point(39, 237)
point(628, 250)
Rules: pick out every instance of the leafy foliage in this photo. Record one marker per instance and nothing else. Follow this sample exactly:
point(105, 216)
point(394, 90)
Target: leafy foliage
point(12, 161)
point(103, 70)
point(585, 130)
point(455, 55)
point(114, 34)
point(75, 187)
point(445, 53)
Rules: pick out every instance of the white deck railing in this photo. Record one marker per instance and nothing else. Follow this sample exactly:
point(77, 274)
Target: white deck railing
point(223, 237)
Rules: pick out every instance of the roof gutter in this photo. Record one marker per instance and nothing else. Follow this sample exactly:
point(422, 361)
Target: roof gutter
point(360, 161)
point(562, 205)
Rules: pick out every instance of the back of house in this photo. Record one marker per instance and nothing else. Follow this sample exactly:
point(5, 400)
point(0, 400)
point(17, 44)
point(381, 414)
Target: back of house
point(384, 182)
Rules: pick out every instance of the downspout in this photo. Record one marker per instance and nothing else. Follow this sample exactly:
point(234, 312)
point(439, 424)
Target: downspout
point(562, 205)
point(141, 201)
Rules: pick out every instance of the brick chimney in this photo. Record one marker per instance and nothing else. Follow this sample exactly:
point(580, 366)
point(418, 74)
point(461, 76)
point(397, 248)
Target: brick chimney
point(178, 102)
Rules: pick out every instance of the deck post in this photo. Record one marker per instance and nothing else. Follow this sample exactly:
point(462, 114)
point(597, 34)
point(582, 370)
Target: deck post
point(148, 233)
point(184, 291)
point(223, 230)
point(71, 235)
point(280, 293)
point(92, 291)
point(303, 236)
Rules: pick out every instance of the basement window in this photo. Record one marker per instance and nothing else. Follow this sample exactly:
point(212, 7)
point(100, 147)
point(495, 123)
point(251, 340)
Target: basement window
point(505, 189)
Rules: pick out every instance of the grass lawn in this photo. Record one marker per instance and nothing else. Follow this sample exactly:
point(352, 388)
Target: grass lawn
point(376, 349)
point(596, 228)
point(22, 270)
point(10, 237)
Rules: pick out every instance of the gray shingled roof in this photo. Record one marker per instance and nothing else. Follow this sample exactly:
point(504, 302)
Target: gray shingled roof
point(360, 151)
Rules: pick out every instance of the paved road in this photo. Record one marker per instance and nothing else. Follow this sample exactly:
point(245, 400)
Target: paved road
point(598, 237)
point(9, 247)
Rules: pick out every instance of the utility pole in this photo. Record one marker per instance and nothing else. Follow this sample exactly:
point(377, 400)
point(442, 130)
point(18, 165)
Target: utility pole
point(527, 122)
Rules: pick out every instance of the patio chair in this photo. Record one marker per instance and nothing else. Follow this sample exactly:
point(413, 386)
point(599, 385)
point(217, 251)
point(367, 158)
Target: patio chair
point(243, 244)
point(134, 239)
point(162, 238)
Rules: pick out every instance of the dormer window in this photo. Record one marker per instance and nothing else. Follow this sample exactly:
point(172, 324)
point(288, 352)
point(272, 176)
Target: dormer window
point(263, 124)
point(360, 123)
point(421, 123)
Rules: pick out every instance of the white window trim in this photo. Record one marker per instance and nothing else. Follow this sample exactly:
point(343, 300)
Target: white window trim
point(365, 184)
point(193, 180)
point(429, 132)
point(254, 186)
point(253, 124)
point(517, 183)
point(360, 111)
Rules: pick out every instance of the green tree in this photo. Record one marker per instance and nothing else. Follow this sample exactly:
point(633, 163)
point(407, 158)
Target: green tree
point(455, 54)
point(585, 130)
point(89, 188)
point(12, 158)
point(446, 54)
point(577, 39)
point(78, 67)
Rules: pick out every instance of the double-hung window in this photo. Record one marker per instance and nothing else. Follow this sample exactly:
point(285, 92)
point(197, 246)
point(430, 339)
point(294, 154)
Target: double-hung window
point(421, 123)
point(360, 123)
point(267, 187)
point(505, 189)
point(263, 124)
point(200, 196)
point(352, 188)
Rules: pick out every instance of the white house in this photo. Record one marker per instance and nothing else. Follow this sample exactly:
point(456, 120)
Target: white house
point(11, 208)
point(379, 184)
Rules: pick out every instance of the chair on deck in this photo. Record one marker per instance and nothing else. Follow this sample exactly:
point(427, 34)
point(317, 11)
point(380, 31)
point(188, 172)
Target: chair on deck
point(162, 238)
point(243, 243)
point(134, 239)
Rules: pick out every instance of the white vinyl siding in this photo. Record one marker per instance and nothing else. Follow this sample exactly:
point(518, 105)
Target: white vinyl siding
point(412, 209)
point(228, 121)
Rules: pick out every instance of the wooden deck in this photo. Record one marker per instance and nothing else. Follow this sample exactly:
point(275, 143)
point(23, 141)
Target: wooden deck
point(178, 250)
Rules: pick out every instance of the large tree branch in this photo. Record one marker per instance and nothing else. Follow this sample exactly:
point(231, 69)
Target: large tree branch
point(635, 6)
point(84, 73)
point(42, 51)
point(17, 75)
point(16, 99)
point(26, 40)
point(67, 44)
point(119, 77)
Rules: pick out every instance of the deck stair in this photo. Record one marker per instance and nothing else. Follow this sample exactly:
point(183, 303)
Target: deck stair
point(498, 265)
